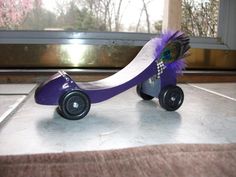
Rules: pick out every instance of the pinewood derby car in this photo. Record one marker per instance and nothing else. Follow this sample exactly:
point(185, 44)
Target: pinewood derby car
point(153, 71)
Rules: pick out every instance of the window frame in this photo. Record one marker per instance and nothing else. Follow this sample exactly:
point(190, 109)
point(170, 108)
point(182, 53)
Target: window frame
point(226, 26)
point(73, 37)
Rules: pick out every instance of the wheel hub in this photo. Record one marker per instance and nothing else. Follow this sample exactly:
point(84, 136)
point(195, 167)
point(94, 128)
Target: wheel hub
point(75, 105)
point(173, 98)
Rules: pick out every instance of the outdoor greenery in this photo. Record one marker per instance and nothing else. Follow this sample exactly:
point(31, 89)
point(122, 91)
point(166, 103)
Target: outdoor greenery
point(199, 17)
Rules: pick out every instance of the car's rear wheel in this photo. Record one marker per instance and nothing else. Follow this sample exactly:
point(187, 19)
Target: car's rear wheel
point(74, 105)
point(171, 98)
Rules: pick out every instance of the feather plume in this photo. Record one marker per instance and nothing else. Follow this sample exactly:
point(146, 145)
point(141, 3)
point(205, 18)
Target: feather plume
point(172, 50)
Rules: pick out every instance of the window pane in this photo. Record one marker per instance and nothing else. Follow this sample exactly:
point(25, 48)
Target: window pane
point(82, 15)
point(66, 56)
point(200, 17)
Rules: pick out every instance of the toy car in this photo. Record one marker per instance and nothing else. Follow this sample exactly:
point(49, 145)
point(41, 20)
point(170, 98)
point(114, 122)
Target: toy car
point(153, 70)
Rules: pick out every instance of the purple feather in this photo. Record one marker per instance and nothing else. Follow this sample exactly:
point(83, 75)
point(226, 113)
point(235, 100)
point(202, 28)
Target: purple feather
point(179, 64)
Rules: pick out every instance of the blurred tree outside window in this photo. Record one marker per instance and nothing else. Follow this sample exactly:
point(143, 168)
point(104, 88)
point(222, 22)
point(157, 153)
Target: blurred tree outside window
point(199, 17)
point(82, 15)
point(14, 12)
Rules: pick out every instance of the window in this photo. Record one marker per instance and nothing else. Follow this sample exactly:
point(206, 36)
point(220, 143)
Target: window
point(200, 17)
point(82, 15)
point(50, 33)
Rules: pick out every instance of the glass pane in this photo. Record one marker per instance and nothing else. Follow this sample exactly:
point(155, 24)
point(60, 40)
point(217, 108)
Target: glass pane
point(200, 17)
point(65, 56)
point(82, 15)
point(28, 56)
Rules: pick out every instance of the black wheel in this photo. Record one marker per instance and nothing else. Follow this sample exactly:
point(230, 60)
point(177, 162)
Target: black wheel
point(74, 105)
point(171, 98)
point(141, 94)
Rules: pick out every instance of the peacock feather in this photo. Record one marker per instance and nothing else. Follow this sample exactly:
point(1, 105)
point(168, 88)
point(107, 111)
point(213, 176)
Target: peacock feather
point(172, 50)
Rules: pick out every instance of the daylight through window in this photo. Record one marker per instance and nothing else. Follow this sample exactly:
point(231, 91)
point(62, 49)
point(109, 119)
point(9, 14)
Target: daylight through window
point(200, 17)
point(82, 15)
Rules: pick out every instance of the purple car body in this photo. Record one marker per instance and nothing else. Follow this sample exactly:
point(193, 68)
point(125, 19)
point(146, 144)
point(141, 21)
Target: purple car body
point(139, 70)
point(49, 92)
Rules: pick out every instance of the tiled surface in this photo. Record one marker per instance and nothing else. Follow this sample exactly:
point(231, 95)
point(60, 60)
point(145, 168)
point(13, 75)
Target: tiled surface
point(6, 103)
point(228, 89)
point(16, 88)
point(123, 121)
point(11, 96)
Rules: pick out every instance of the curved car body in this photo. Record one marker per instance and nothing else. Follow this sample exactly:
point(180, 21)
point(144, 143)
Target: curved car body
point(152, 69)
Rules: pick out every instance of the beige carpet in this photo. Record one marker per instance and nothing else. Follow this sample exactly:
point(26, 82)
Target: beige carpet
point(161, 160)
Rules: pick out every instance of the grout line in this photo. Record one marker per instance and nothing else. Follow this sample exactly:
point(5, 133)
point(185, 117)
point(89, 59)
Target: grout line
point(16, 105)
point(12, 108)
point(213, 92)
point(18, 94)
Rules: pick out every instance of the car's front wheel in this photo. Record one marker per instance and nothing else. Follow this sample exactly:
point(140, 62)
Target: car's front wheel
point(74, 105)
